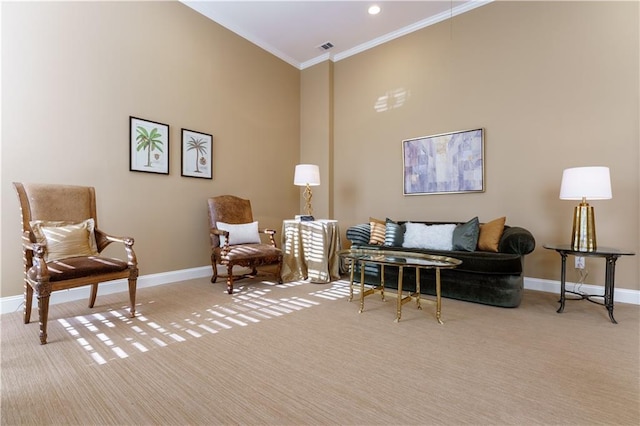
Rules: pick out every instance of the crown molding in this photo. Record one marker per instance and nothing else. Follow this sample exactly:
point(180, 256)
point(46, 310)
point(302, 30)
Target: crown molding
point(412, 28)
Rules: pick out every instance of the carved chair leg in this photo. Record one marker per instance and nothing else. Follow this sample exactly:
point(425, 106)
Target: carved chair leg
point(43, 311)
point(230, 279)
point(132, 296)
point(94, 294)
point(28, 302)
point(214, 266)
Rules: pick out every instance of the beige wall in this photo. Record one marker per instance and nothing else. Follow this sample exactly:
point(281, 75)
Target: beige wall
point(316, 133)
point(72, 75)
point(554, 84)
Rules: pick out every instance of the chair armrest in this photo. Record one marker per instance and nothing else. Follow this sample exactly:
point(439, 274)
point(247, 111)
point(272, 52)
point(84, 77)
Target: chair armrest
point(103, 240)
point(516, 240)
point(221, 233)
point(271, 233)
point(34, 259)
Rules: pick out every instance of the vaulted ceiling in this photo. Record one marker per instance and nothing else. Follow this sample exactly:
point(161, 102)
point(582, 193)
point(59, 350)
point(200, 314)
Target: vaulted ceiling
point(294, 31)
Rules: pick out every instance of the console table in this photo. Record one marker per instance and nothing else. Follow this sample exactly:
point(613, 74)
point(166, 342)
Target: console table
point(610, 255)
point(401, 260)
point(310, 250)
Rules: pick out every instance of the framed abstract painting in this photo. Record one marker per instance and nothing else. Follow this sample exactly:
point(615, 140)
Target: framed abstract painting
point(447, 163)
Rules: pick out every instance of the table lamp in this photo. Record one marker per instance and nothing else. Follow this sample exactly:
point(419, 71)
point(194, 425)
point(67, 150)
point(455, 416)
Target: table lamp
point(585, 183)
point(307, 175)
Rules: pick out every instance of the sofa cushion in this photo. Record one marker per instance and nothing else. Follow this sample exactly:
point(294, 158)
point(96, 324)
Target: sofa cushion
point(490, 234)
point(479, 262)
point(465, 236)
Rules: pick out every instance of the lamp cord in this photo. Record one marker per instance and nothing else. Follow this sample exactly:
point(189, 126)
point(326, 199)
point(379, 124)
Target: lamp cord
point(582, 275)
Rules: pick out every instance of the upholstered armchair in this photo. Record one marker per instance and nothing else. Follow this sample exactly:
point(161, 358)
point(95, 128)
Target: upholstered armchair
point(235, 239)
point(61, 246)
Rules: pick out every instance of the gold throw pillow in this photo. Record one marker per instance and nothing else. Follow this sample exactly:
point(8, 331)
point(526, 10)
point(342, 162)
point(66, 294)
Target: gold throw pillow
point(490, 234)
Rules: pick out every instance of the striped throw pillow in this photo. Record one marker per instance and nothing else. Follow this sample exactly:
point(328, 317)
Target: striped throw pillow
point(378, 231)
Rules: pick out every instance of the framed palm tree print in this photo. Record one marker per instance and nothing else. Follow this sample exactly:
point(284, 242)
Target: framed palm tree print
point(149, 146)
point(197, 154)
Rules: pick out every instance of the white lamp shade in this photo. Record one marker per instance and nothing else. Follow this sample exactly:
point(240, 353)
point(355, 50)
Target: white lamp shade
point(592, 183)
point(307, 174)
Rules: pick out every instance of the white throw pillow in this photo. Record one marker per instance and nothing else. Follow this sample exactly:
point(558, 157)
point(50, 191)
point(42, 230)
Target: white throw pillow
point(244, 233)
point(414, 235)
point(434, 237)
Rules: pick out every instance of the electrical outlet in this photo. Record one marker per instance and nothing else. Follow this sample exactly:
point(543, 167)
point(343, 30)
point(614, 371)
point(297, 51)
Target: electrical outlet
point(579, 262)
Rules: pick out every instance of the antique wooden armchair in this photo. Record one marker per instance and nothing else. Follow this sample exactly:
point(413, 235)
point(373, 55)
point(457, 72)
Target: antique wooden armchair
point(235, 239)
point(61, 246)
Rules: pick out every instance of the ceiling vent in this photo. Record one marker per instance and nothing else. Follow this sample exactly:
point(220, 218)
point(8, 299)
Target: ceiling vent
point(325, 46)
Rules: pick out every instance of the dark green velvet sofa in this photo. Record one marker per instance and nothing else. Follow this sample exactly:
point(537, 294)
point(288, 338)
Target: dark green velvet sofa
point(491, 278)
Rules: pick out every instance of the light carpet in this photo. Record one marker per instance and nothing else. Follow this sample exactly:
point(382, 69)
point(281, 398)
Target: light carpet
point(300, 353)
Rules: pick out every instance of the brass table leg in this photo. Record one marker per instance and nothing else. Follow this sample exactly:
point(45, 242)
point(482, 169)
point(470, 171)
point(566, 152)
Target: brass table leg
point(418, 287)
point(382, 281)
point(362, 264)
point(399, 302)
point(353, 267)
point(438, 301)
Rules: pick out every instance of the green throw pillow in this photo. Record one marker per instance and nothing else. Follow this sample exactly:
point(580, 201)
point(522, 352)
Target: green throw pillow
point(465, 236)
point(394, 234)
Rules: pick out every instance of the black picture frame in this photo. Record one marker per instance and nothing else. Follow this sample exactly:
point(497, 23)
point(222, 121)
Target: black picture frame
point(148, 146)
point(196, 154)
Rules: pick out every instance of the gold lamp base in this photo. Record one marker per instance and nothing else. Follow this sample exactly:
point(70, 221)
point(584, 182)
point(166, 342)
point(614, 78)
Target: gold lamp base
point(307, 198)
point(583, 236)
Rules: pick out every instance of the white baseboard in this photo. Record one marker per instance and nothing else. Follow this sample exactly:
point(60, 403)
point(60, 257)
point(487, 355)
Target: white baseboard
point(621, 295)
point(14, 303)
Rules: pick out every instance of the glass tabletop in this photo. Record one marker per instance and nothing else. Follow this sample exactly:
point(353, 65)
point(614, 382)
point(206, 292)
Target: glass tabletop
point(401, 258)
point(600, 251)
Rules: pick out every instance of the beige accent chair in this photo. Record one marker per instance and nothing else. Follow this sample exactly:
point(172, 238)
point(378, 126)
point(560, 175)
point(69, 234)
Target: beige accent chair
point(61, 246)
point(244, 248)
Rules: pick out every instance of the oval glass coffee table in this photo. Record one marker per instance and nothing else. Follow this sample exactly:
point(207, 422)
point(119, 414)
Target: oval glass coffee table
point(401, 260)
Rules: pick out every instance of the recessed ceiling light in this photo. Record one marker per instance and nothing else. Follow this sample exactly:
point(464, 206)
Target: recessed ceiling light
point(374, 10)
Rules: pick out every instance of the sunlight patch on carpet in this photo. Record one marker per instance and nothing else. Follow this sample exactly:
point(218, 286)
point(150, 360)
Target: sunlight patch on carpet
point(112, 335)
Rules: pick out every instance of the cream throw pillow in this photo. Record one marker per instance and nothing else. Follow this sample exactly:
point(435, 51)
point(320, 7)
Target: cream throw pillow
point(243, 233)
point(65, 239)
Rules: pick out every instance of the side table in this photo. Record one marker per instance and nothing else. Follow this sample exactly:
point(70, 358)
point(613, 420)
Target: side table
point(610, 255)
point(310, 250)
